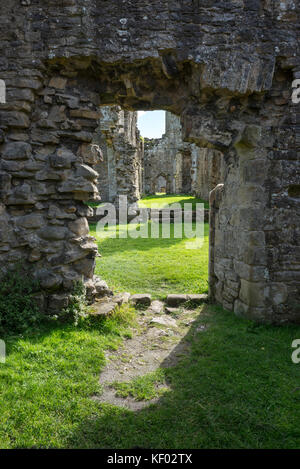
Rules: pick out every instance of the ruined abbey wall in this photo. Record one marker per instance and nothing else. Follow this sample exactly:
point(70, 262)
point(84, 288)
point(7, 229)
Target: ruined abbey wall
point(130, 165)
point(168, 161)
point(226, 68)
point(180, 167)
point(208, 170)
point(121, 168)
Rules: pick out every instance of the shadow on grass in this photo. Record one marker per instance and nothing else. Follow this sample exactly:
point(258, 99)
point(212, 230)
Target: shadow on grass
point(140, 244)
point(235, 388)
point(38, 333)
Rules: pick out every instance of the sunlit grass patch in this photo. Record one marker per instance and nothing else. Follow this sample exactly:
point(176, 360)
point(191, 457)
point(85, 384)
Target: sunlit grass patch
point(147, 387)
point(162, 200)
point(152, 265)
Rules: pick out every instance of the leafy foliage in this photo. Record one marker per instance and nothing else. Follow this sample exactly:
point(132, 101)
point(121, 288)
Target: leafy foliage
point(77, 307)
point(19, 310)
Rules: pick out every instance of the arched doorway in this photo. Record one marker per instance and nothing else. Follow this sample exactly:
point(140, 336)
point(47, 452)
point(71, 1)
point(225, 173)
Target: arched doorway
point(228, 98)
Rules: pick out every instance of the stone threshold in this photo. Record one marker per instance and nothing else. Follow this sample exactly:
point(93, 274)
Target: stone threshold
point(108, 304)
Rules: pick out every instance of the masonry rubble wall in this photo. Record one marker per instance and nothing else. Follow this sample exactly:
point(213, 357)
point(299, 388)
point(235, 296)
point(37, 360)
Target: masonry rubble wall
point(121, 170)
point(208, 170)
point(226, 68)
point(180, 167)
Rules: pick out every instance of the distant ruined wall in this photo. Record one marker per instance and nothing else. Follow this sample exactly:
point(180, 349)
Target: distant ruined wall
point(121, 169)
point(208, 170)
point(186, 168)
point(168, 158)
point(226, 68)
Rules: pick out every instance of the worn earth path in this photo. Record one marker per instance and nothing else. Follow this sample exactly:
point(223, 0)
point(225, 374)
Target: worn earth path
point(158, 341)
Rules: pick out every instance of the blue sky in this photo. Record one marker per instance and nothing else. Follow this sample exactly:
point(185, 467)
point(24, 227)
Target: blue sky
point(151, 124)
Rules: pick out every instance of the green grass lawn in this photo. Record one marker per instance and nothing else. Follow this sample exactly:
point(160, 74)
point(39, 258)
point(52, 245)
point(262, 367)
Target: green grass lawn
point(156, 266)
point(167, 199)
point(161, 200)
point(237, 388)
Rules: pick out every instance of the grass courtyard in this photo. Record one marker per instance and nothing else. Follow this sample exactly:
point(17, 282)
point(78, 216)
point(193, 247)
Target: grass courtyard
point(167, 199)
point(158, 266)
point(235, 387)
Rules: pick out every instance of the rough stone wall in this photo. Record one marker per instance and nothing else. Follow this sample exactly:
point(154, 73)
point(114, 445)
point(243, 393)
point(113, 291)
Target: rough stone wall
point(208, 170)
point(255, 240)
point(186, 168)
point(168, 160)
point(225, 67)
point(121, 169)
point(46, 173)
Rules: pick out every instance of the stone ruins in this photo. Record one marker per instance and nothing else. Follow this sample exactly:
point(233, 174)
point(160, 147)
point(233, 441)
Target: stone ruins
point(133, 166)
point(226, 68)
point(177, 167)
point(121, 167)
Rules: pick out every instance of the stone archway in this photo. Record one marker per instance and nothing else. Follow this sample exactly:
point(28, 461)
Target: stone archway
point(232, 91)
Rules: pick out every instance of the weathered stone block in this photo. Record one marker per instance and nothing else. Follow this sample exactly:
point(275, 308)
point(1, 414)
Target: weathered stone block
point(86, 172)
point(164, 321)
point(102, 288)
point(58, 82)
point(253, 293)
point(16, 151)
point(21, 195)
point(156, 307)
point(35, 255)
point(104, 307)
point(259, 314)
point(176, 300)
point(141, 299)
point(14, 119)
point(63, 159)
point(31, 221)
point(277, 293)
point(80, 227)
point(78, 185)
point(250, 272)
point(52, 233)
point(85, 113)
point(198, 299)
point(91, 154)
point(5, 185)
point(48, 279)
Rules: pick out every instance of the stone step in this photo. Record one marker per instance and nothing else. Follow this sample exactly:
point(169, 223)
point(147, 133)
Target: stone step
point(108, 305)
point(177, 300)
point(140, 299)
point(104, 308)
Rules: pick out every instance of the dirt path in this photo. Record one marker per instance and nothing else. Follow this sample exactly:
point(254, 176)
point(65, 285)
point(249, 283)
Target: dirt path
point(156, 342)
